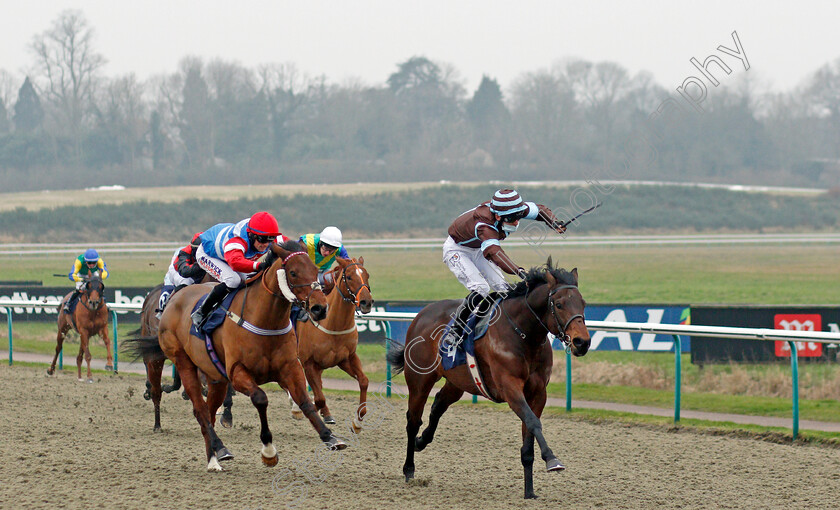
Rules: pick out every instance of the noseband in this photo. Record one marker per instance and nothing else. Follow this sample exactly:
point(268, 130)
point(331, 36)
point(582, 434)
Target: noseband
point(350, 294)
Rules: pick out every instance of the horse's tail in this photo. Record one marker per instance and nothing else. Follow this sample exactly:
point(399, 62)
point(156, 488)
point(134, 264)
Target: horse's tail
point(146, 347)
point(396, 356)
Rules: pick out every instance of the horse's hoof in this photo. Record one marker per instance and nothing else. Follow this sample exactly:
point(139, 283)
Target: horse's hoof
point(554, 465)
point(329, 420)
point(409, 476)
point(184, 395)
point(419, 445)
point(223, 454)
point(531, 496)
point(357, 429)
point(81, 380)
point(90, 380)
point(109, 368)
point(157, 429)
point(227, 421)
point(298, 415)
point(147, 394)
point(334, 443)
point(270, 461)
point(214, 465)
point(50, 371)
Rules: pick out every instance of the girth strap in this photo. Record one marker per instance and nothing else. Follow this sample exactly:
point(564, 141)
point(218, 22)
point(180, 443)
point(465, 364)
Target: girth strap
point(257, 330)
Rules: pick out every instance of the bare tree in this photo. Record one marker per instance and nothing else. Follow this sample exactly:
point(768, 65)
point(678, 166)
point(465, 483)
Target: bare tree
point(285, 90)
point(121, 111)
point(69, 63)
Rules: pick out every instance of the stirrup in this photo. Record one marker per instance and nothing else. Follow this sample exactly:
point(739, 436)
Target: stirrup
point(198, 319)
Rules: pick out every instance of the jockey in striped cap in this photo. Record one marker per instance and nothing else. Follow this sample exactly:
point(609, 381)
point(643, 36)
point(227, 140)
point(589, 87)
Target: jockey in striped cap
point(473, 251)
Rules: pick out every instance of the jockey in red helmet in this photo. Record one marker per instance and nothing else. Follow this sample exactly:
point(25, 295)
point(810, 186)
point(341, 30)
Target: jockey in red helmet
point(229, 253)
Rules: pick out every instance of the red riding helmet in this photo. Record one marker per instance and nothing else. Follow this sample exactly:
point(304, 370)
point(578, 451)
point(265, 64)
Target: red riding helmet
point(263, 224)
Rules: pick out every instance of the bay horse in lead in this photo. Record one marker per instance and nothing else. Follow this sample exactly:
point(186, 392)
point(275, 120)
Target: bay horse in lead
point(514, 358)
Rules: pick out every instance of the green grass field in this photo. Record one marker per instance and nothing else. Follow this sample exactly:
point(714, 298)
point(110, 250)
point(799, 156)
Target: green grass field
point(762, 274)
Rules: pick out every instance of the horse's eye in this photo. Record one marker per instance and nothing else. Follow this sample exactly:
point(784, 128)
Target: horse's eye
point(293, 274)
point(558, 304)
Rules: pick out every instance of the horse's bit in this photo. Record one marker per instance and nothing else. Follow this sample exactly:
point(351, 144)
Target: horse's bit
point(355, 296)
point(566, 339)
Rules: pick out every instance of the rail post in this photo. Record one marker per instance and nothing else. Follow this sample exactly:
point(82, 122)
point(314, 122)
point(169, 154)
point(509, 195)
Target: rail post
point(114, 325)
point(568, 380)
point(794, 365)
point(9, 320)
point(678, 377)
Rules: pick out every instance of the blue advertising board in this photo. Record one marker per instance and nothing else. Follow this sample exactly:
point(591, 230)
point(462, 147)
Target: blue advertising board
point(601, 340)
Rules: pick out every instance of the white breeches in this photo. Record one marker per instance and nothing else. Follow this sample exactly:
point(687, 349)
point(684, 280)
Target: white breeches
point(474, 271)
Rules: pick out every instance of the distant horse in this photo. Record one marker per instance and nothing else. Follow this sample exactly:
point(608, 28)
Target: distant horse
point(89, 318)
point(149, 323)
point(514, 358)
point(333, 341)
point(255, 346)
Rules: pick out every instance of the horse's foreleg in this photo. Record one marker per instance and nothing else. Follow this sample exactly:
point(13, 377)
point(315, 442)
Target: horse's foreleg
point(313, 377)
point(84, 352)
point(214, 447)
point(59, 344)
point(447, 395)
point(103, 334)
point(353, 366)
point(527, 456)
point(294, 381)
point(244, 383)
point(154, 372)
point(531, 425)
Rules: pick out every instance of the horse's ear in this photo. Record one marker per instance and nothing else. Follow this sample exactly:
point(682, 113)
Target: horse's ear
point(342, 262)
point(574, 273)
point(548, 262)
point(361, 261)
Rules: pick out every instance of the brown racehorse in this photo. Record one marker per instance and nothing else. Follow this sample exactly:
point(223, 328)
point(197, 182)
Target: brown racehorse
point(149, 323)
point(257, 347)
point(333, 341)
point(513, 357)
point(89, 318)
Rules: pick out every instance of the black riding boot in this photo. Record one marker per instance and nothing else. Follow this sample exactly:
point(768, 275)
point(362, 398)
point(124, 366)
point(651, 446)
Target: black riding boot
point(217, 295)
point(69, 304)
point(462, 315)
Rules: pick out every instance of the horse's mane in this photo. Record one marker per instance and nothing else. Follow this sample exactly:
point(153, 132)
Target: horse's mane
point(292, 245)
point(536, 277)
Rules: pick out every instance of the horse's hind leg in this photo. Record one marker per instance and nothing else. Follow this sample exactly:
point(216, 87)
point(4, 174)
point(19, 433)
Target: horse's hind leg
point(414, 415)
point(154, 372)
point(444, 398)
point(214, 447)
point(244, 383)
point(227, 414)
point(353, 366)
point(216, 393)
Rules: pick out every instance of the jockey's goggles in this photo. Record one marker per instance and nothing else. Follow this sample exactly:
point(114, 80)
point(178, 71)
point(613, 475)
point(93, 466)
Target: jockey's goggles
point(263, 239)
point(90, 262)
point(328, 247)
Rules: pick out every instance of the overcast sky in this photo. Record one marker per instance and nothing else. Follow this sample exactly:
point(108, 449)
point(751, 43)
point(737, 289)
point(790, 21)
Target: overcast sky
point(784, 41)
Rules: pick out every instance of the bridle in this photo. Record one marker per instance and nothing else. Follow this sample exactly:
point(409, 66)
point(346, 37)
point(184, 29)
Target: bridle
point(351, 297)
point(566, 339)
point(304, 303)
point(87, 291)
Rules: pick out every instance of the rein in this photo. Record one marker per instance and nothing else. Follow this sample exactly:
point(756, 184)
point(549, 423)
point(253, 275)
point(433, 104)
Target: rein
point(566, 338)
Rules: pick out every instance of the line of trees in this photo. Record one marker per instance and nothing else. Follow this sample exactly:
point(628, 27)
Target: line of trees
point(67, 125)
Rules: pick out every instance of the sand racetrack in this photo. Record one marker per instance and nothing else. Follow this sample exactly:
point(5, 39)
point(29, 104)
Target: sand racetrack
point(68, 444)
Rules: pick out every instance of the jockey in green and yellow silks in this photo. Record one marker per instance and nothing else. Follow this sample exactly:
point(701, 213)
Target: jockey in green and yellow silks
point(322, 248)
point(85, 265)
